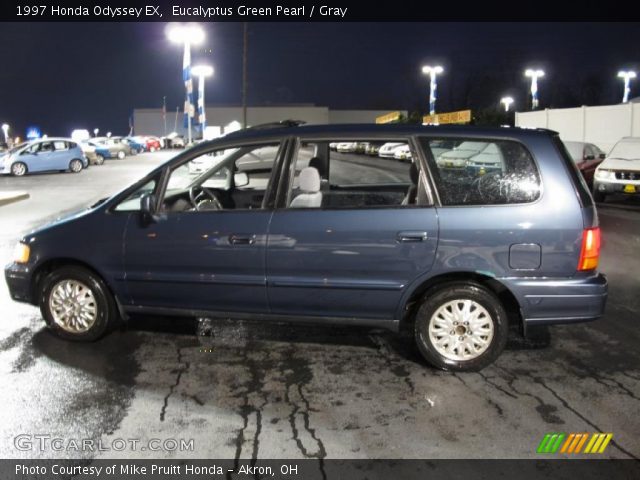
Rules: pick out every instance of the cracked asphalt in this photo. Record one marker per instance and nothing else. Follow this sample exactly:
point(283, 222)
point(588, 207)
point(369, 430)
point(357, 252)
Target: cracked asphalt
point(249, 391)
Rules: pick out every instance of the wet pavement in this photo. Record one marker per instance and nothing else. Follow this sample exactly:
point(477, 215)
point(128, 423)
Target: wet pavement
point(237, 390)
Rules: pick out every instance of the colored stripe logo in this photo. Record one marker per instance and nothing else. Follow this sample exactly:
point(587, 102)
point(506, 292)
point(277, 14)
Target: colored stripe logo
point(573, 443)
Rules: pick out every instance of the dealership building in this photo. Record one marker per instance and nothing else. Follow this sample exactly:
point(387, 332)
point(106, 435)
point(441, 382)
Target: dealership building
point(152, 121)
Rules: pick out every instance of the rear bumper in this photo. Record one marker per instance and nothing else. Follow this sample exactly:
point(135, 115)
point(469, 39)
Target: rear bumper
point(556, 301)
point(18, 279)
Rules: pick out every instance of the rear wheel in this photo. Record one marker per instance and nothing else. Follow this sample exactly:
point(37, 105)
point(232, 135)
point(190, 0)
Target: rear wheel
point(75, 165)
point(461, 326)
point(99, 160)
point(76, 304)
point(18, 169)
point(121, 154)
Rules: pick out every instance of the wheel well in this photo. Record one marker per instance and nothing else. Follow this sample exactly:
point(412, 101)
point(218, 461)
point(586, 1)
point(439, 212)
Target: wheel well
point(50, 265)
point(508, 300)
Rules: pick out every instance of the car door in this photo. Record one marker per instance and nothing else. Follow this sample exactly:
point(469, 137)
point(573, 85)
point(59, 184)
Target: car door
point(206, 260)
point(356, 251)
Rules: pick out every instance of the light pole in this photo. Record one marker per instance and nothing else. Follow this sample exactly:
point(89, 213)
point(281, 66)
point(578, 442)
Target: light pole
point(627, 76)
point(433, 72)
point(506, 101)
point(95, 132)
point(190, 34)
point(202, 71)
point(5, 130)
point(534, 75)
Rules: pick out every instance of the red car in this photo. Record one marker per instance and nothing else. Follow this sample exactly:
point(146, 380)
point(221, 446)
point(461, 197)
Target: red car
point(153, 144)
point(587, 157)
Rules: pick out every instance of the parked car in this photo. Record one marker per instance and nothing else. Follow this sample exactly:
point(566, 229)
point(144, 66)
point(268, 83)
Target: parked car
point(620, 171)
point(373, 148)
point(111, 148)
point(89, 151)
point(62, 154)
point(388, 150)
point(347, 147)
point(153, 143)
point(173, 140)
point(402, 153)
point(457, 257)
point(460, 155)
point(586, 156)
point(135, 145)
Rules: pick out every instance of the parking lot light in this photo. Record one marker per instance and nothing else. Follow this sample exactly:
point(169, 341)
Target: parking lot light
point(187, 35)
point(534, 75)
point(433, 72)
point(202, 71)
point(5, 130)
point(95, 132)
point(626, 76)
point(506, 101)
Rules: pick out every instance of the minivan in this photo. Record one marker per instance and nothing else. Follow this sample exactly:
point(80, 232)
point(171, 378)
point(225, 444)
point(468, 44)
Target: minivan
point(279, 227)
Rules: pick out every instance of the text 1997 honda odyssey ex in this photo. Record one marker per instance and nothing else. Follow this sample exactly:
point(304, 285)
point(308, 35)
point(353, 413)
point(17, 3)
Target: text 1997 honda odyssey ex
point(270, 224)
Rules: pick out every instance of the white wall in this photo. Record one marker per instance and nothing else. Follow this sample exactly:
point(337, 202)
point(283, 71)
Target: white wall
point(603, 125)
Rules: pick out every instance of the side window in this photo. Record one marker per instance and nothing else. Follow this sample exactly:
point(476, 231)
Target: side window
point(60, 145)
point(45, 147)
point(483, 172)
point(132, 202)
point(354, 174)
point(230, 179)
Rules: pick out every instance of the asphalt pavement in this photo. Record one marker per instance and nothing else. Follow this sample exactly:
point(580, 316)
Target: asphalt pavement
point(236, 390)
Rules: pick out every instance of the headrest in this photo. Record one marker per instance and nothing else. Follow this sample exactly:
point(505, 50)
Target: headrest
point(316, 162)
point(413, 173)
point(309, 180)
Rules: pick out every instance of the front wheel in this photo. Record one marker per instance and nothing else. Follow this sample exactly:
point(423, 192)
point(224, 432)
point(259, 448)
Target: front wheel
point(460, 327)
point(121, 154)
point(99, 160)
point(76, 304)
point(75, 166)
point(18, 169)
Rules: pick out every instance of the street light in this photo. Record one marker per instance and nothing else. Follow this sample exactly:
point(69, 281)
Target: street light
point(433, 72)
point(627, 76)
point(190, 34)
point(506, 101)
point(5, 129)
point(202, 71)
point(534, 75)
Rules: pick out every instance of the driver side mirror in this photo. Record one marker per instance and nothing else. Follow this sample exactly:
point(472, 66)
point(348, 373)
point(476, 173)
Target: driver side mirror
point(148, 208)
point(241, 179)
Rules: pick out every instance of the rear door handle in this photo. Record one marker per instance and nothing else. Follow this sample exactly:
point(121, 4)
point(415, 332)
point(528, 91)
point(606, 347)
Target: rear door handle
point(411, 236)
point(242, 239)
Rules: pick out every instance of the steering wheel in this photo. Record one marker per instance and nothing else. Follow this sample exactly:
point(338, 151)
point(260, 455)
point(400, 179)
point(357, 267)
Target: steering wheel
point(204, 200)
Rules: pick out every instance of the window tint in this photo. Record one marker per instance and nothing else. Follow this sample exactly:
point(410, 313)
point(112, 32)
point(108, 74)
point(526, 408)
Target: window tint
point(353, 174)
point(479, 172)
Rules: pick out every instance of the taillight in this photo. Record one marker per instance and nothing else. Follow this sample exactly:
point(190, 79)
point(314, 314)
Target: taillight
point(590, 251)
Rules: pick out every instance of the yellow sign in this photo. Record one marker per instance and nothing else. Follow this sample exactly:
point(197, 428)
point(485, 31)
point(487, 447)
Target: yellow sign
point(388, 118)
point(461, 116)
point(629, 189)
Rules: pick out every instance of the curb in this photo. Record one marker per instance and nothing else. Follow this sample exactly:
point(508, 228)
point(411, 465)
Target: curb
point(10, 197)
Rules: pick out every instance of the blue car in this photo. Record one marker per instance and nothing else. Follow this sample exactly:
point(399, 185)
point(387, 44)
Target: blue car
point(135, 145)
point(62, 154)
point(275, 225)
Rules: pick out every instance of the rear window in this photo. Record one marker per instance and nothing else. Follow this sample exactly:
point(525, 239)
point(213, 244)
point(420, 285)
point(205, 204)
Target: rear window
point(482, 172)
point(576, 177)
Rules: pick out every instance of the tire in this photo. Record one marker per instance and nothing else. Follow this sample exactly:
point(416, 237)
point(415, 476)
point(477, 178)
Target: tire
point(121, 155)
point(19, 169)
point(75, 166)
point(432, 323)
point(598, 196)
point(99, 160)
point(98, 300)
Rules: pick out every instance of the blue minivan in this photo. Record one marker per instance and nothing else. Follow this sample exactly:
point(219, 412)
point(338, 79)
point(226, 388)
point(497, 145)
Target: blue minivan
point(271, 224)
point(47, 154)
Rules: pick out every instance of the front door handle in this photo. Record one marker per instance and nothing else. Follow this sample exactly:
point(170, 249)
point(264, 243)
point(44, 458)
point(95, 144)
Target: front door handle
point(411, 236)
point(242, 239)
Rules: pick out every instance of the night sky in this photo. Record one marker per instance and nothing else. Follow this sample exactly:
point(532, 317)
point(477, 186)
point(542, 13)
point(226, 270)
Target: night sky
point(62, 76)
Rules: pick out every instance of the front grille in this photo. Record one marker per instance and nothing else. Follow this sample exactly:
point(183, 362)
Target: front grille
point(628, 175)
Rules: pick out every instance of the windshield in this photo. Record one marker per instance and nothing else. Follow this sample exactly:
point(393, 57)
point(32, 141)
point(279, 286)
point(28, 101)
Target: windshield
point(626, 151)
point(18, 147)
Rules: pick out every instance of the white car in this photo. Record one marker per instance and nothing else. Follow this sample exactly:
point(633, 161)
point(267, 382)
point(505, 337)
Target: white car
point(402, 153)
point(460, 156)
point(347, 147)
point(620, 171)
point(388, 150)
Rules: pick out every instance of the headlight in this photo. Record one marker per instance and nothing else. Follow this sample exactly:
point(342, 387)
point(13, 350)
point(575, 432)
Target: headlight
point(21, 253)
point(604, 174)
